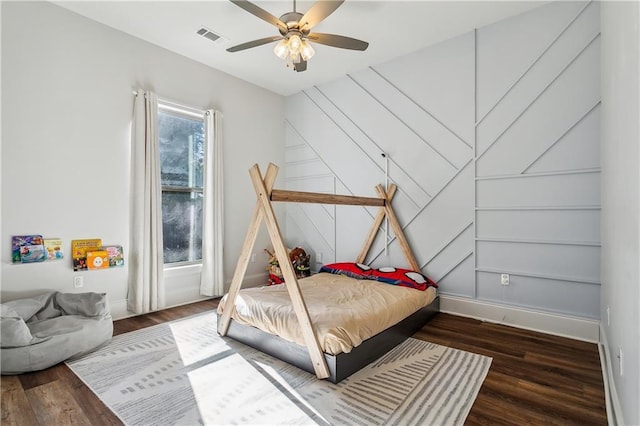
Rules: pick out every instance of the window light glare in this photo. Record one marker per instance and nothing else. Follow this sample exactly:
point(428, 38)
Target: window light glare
point(180, 110)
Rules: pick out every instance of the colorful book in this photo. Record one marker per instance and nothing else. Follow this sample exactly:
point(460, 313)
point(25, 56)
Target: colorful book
point(79, 249)
point(54, 248)
point(98, 259)
point(18, 241)
point(33, 253)
point(116, 255)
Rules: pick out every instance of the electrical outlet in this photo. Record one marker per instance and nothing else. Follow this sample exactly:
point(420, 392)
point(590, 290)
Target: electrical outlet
point(608, 316)
point(78, 281)
point(320, 257)
point(504, 279)
point(621, 360)
point(253, 258)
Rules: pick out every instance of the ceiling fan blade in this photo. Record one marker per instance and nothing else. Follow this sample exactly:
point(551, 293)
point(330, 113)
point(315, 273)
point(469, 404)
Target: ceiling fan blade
point(338, 41)
point(318, 12)
point(254, 43)
point(260, 13)
point(300, 66)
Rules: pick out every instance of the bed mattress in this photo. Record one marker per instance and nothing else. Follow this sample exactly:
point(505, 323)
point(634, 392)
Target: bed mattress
point(344, 311)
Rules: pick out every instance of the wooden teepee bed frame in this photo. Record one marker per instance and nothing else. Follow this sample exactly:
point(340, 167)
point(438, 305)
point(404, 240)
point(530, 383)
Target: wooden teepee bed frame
point(311, 358)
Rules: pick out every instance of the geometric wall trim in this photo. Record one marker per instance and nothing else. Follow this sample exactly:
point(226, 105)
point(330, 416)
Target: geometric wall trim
point(493, 140)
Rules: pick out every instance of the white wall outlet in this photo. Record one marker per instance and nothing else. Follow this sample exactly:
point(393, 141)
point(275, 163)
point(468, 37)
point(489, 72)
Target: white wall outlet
point(78, 281)
point(253, 258)
point(504, 279)
point(320, 257)
point(608, 316)
point(621, 360)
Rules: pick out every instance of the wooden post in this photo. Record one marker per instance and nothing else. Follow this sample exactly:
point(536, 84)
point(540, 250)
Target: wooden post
point(290, 279)
point(397, 229)
point(245, 254)
point(263, 210)
point(362, 257)
point(320, 198)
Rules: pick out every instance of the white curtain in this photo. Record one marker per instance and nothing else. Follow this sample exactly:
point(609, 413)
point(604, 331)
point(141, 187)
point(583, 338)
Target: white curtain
point(146, 264)
point(212, 277)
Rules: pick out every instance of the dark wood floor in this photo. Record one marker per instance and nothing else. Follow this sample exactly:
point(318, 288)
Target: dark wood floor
point(534, 378)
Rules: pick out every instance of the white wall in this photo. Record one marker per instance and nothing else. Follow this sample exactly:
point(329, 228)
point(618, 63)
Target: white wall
point(66, 108)
point(621, 204)
point(1, 250)
point(493, 140)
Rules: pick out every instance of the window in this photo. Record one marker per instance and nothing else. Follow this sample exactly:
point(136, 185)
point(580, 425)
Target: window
point(181, 137)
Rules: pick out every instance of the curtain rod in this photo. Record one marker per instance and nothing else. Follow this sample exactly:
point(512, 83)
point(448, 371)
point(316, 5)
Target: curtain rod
point(203, 111)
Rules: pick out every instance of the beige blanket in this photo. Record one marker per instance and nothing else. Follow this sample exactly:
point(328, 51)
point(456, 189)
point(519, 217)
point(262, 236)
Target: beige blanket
point(344, 311)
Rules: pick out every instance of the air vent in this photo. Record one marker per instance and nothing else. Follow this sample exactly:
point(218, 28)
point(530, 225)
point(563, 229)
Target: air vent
point(204, 32)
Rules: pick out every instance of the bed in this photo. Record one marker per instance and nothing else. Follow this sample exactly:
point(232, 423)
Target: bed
point(307, 338)
point(357, 318)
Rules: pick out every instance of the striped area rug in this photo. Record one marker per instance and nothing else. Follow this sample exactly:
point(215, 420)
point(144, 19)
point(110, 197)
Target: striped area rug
point(417, 383)
point(183, 373)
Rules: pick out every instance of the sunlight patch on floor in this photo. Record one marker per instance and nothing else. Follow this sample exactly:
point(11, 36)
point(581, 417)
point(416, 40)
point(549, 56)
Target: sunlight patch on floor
point(197, 343)
point(232, 391)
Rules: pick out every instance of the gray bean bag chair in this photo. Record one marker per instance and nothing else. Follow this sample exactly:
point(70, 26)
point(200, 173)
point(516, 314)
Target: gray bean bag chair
point(42, 331)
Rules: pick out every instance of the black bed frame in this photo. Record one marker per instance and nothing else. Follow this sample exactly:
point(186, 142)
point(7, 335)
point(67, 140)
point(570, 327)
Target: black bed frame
point(344, 364)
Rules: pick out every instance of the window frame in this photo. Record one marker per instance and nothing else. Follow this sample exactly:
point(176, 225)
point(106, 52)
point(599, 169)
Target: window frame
point(187, 112)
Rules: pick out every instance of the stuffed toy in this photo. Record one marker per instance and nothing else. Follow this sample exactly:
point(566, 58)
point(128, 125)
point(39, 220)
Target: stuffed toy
point(299, 259)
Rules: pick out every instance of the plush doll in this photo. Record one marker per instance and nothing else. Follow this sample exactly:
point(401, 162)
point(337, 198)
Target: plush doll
point(299, 259)
point(273, 267)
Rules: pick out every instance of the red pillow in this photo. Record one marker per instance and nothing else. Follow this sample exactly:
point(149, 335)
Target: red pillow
point(388, 275)
point(350, 269)
point(403, 277)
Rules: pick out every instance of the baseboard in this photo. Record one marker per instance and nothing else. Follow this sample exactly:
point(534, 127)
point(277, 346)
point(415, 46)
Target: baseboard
point(544, 322)
point(614, 409)
point(119, 307)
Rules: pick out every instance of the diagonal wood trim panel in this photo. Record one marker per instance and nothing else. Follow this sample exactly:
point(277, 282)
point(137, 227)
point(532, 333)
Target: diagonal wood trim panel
point(515, 108)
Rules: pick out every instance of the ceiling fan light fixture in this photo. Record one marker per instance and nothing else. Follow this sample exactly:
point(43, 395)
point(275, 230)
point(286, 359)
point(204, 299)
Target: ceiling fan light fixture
point(293, 49)
point(281, 49)
point(307, 50)
point(295, 43)
point(295, 28)
point(294, 59)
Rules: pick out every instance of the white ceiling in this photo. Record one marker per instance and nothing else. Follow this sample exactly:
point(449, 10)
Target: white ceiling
point(392, 28)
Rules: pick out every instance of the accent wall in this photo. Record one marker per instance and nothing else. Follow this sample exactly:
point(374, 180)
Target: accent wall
point(493, 140)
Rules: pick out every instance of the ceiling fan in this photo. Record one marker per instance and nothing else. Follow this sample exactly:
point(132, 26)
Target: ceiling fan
point(295, 32)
